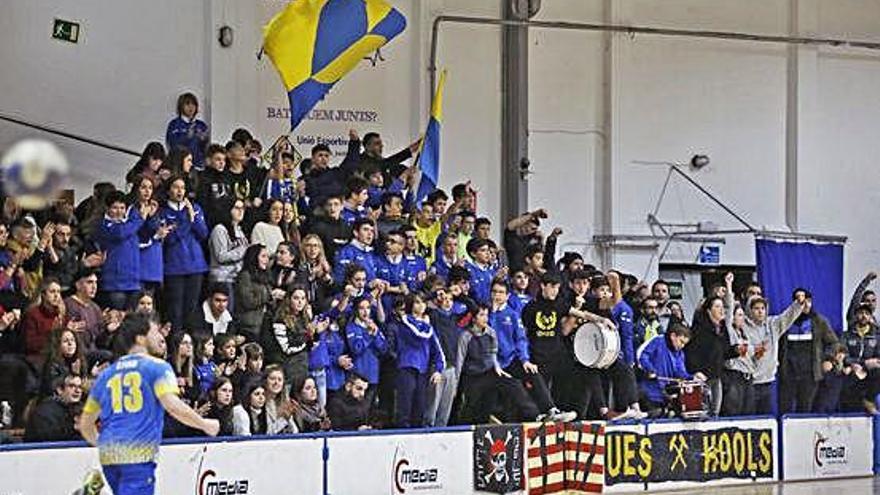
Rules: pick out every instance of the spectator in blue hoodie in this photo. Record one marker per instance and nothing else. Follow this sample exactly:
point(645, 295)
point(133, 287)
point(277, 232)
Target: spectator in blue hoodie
point(419, 360)
point(359, 251)
point(188, 131)
point(662, 360)
point(366, 343)
point(340, 361)
point(117, 237)
point(150, 235)
point(482, 271)
point(184, 260)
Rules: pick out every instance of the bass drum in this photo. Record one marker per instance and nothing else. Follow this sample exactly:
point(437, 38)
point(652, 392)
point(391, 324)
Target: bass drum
point(596, 346)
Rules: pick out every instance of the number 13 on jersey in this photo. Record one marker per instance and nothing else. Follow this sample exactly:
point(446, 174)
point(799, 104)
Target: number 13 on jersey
point(125, 392)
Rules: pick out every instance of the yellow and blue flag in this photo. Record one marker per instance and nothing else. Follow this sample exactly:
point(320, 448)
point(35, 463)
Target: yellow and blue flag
point(429, 156)
point(315, 43)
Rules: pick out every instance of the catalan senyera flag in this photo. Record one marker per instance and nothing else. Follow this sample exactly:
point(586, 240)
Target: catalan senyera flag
point(315, 43)
point(429, 156)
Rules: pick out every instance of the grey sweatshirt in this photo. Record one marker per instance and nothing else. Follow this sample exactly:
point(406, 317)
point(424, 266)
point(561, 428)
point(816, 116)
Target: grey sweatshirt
point(763, 370)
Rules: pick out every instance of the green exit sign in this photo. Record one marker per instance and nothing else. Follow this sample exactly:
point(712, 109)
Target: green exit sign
point(65, 30)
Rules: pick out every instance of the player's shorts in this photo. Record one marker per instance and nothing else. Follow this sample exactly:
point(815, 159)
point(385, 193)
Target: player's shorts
point(131, 479)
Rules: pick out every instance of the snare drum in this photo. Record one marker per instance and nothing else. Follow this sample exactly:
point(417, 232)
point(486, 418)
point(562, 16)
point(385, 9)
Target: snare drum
point(692, 400)
point(596, 346)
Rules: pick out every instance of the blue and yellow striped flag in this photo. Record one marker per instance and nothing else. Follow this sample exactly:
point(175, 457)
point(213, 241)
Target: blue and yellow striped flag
point(429, 156)
point(315, 43)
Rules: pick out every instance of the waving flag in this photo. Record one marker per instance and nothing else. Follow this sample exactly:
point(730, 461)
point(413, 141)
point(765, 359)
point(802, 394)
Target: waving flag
point(315, 43)
point(429, 157)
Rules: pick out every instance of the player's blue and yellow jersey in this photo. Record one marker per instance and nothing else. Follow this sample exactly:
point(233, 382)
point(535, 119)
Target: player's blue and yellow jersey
point(126, 397)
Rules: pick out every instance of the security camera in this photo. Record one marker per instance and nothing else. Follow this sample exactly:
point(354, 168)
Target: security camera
point(699, 161)
point(524, 167)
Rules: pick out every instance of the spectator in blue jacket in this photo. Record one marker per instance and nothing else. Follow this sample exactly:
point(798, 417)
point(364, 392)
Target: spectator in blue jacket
point(359, 251)
point(117, 237)
point(481, 270)
point(366, 343)
point(150, 235)
point(188, 131)
point(184, 260)
point(339, 361)
point(418, 357)
point(416, 265)
point(391, 269)
point(662, 361)
point(447, 256)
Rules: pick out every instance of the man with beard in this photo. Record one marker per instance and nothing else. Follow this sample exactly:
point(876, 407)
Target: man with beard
point(129, 398)
point(801, 354)
point(648, 326)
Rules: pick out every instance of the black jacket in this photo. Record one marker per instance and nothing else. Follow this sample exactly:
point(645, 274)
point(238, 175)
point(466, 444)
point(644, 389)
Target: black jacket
point(51, 421)
point(324, 183)
point(708, 349)
point(346, 413)
point(215, 196)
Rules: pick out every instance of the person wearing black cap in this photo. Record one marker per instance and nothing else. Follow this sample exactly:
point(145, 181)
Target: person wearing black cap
point(800, 357)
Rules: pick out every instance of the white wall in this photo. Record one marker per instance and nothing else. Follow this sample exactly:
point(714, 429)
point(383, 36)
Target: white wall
point(119, 84)
point(597, 103)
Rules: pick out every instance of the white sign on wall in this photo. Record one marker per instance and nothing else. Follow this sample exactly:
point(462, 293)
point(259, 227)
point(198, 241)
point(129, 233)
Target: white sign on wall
point(827, 447)
point(253, 467)
point(437, 463)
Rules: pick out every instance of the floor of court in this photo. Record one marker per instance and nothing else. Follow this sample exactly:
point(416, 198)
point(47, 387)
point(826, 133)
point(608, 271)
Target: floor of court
point(856, 486)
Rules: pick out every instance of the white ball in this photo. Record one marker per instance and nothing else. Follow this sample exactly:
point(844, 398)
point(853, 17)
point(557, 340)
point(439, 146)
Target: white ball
point(34, 171)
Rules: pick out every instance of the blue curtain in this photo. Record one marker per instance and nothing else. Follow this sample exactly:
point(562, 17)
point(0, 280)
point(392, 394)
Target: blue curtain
point(817, 267)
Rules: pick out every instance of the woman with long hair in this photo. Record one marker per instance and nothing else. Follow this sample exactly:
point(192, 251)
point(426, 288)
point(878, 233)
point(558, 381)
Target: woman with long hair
point(148, 164)
point(279, 408)
point(314, 271)
point(310, 414)
point(220, 405)
point(40, 319)
point(249, 417)
point(181, 358)
point(227, 246)
point(709, 347)
point(205, 371)
point(254, 294)
point(291, 332)
point(268, 232)
point(180, 163)
point(64, 356)
point(151, 234)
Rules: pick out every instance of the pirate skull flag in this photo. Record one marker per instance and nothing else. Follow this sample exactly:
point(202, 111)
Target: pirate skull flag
point(498, 458)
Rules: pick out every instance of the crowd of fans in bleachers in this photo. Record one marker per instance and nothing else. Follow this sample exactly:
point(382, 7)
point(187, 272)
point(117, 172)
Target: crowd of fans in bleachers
point(300, 297)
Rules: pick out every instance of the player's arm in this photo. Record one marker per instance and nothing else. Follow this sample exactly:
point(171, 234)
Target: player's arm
point(88, 420)
point(88, 427)
point(187, 415)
